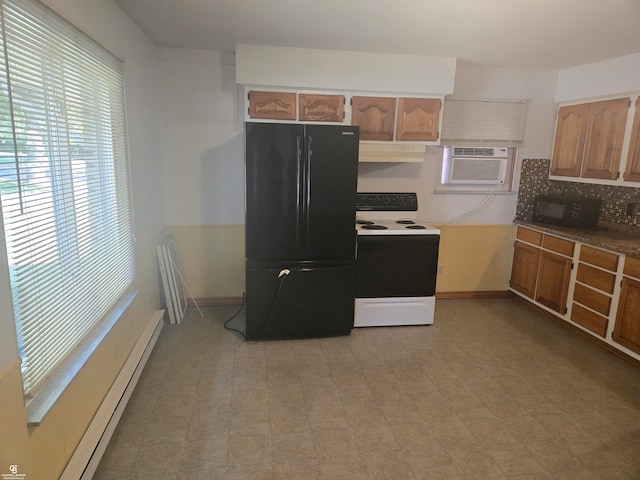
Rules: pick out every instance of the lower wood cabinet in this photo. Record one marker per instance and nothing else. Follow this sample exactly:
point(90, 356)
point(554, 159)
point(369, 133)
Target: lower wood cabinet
point(542, 270)
point(552, 287)
point(626, 330)
point(525, 268)
point(582, 285)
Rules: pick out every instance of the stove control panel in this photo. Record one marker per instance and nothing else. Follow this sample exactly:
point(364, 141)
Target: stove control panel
point(396, 202)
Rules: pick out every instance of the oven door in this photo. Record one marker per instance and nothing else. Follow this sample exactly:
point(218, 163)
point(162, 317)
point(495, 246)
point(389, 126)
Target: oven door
point(396, 265)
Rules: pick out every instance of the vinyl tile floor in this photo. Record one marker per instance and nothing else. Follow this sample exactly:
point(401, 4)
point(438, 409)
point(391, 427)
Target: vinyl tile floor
point(492, 390)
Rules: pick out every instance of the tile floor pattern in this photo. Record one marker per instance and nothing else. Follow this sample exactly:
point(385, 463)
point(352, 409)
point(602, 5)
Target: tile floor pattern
point(493, 390)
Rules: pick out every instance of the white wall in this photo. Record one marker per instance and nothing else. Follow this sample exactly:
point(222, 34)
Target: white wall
point(611, 77)
point(202, 138)
point(343, 70)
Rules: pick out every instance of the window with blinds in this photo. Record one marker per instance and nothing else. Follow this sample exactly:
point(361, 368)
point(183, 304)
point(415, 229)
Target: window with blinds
point(495, 123)
point(66, 205)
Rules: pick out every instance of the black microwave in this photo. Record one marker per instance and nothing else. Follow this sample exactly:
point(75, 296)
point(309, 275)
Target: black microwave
point(568, 212)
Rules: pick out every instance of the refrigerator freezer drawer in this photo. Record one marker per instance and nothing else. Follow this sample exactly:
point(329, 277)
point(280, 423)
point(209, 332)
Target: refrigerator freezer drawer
point(299, 300)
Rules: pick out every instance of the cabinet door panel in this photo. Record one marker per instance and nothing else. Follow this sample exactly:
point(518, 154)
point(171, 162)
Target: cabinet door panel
point(525, 268)
point(375, 116)
point(569, 141)
point(553, 281)
point(272, 105)
point(418, 119)
point(632, 172)
point(603, 143)
point(321, 108)
point(627, 328)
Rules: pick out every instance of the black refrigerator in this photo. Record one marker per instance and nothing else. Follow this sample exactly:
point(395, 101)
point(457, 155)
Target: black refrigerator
point(300, 239)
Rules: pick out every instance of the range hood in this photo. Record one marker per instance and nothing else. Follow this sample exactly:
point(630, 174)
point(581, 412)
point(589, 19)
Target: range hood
point(395, 152)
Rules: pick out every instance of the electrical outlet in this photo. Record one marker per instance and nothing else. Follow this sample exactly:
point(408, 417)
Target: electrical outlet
point(631, 209)
point(440, 269)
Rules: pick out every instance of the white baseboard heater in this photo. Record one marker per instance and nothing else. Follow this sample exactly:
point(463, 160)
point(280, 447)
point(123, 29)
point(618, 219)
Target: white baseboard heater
point(87, 455)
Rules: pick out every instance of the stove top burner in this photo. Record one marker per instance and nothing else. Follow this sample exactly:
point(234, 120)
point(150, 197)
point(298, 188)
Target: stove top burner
point(405, 222)
point(364, 222)
point(416, 227)
point(373, 226)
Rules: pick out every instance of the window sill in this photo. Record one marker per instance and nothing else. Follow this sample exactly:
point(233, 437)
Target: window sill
point(473, 192)
point(57, 383)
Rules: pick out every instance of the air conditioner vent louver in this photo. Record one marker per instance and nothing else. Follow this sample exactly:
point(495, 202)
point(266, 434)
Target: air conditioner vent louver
point(473, 152)
point(474, 165)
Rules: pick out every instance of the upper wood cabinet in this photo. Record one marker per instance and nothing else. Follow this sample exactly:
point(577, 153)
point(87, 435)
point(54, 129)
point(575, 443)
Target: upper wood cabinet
point(605, 133)
point(632, 172)
point(588, 140)
point(571, 129)
point(321, 108)
point(272, 105)
point(375, 116)
point(418, 119)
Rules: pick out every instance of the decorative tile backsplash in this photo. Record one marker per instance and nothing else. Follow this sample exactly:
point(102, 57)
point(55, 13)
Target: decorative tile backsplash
point(620, 205)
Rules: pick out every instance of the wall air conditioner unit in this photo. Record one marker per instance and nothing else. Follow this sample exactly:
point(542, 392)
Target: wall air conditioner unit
point(474, 165)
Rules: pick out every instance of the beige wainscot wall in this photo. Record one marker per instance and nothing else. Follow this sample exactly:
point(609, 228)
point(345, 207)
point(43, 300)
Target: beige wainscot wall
point(474, 260)
point(211, 259)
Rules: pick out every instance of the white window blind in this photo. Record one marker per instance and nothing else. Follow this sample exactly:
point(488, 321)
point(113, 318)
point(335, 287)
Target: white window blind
point(63, 181)
point(496, 123)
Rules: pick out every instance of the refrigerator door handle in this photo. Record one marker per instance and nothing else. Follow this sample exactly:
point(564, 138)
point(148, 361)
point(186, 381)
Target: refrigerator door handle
point(298, 187)
point(308, 192)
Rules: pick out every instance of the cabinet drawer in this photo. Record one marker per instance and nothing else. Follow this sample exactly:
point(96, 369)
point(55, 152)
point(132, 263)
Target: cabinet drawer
point(589, 320)
point(599, 258)
point(632, 267)
point(529, 236)
point(593, 299)
point(558, 245)
point(596, 278)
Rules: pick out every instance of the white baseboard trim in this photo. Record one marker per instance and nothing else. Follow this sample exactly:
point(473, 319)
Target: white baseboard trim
point(85, 459)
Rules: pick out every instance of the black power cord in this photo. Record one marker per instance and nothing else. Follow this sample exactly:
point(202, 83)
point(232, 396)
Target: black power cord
point(226, 323)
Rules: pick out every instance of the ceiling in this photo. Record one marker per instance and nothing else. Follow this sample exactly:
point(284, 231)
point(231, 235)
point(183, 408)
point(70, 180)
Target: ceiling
point(552, 34)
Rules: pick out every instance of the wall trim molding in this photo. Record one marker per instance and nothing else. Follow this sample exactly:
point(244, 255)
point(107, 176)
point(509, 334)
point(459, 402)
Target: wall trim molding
point(86, 457)
point(214, 301)
point(588, 336)
point(475, 294)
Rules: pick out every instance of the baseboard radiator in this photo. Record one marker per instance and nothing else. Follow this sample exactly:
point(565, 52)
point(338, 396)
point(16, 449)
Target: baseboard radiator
point(87, 455)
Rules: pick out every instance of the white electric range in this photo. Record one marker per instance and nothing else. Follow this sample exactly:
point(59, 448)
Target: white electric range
point(396, 262)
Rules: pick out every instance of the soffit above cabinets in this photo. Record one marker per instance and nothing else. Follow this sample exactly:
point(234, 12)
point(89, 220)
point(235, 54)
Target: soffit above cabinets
point(303, 68)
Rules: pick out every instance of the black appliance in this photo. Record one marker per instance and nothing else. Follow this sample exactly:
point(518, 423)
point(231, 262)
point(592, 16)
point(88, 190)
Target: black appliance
point(567, 211)
point(300, 238)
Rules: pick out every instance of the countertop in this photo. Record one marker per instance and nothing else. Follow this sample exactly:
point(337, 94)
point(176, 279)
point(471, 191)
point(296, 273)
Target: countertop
point(609, 237)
